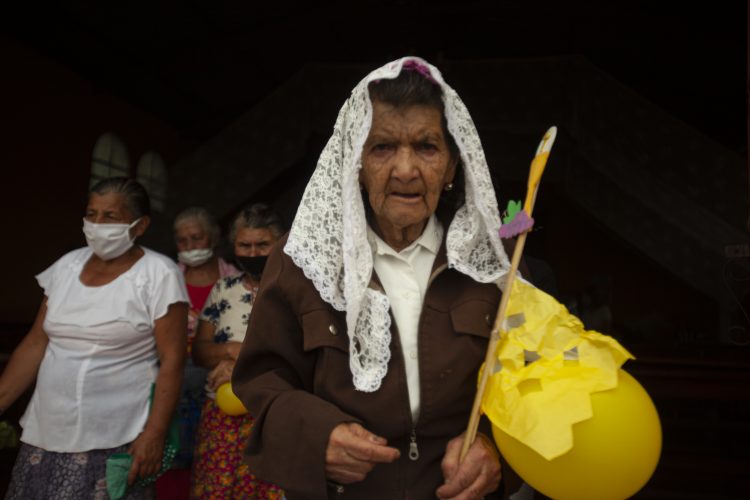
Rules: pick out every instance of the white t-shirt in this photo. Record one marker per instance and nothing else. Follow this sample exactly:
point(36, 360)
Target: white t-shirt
point(404, 276)
point(95, 378)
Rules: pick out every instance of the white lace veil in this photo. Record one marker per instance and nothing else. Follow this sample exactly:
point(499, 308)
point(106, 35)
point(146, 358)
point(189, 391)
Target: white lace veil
point(328, 238)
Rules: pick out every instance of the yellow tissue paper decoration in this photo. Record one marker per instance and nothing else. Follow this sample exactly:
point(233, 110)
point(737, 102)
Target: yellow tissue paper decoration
point(548, 365)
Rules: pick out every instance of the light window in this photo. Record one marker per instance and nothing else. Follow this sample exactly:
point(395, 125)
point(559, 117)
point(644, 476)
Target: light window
point(152, 173)
point(109, 158)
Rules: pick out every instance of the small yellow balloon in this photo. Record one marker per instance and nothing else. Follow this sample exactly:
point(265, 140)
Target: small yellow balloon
point(613, 456)
point(228, 402)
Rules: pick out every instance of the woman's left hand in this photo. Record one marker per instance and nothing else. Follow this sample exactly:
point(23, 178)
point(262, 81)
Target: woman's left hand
point(221, 374)
point(147, 451)
point(479, 473)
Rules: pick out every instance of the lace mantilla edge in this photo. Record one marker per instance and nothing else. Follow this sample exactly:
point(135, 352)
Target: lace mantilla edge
point(328, 238)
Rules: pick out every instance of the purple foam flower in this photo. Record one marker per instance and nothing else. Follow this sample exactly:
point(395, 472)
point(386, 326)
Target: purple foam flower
point(414, 65)
point(520, 224)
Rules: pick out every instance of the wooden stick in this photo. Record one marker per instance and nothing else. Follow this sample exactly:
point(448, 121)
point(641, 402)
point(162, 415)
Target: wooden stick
point(489, 359)
point(537, 167)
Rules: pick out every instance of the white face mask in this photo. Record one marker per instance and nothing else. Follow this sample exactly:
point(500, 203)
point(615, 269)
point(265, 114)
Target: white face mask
point(195, 257)
point(108, 241)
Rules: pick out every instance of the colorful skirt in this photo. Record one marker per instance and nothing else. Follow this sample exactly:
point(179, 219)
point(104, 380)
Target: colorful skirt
point(39, 475)
point(218, 468)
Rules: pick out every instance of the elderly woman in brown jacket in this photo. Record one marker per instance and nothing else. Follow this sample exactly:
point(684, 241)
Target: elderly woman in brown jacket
point(373, 316)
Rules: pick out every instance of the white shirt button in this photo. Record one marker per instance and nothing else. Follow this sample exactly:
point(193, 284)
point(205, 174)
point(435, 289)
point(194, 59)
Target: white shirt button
point(413, 355)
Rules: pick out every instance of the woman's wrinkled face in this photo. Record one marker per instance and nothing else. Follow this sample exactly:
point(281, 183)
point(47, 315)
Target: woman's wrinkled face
point(253, 242)
point(406, 163)
point(191, 235)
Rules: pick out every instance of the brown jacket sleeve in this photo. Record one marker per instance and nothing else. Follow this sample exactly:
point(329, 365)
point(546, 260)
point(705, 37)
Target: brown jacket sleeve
point(273, 377)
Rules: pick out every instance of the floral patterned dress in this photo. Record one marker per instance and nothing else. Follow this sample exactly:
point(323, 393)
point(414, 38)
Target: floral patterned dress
point(219, 471)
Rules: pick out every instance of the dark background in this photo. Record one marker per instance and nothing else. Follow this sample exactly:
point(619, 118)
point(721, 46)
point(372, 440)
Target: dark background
point(198, 65)
point(174, 76)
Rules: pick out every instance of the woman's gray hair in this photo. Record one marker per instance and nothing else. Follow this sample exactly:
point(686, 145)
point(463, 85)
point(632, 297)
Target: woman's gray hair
point(257, 216)
point(136, 197)
point(202, 217)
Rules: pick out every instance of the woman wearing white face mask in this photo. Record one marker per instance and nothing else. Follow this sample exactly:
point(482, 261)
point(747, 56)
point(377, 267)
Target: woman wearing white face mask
point(111, 325)
point(196, 235)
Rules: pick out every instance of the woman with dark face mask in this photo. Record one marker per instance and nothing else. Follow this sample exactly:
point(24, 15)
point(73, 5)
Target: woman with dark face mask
point(218, 470)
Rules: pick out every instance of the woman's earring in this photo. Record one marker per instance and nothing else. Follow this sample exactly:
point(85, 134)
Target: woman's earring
point(448, 187)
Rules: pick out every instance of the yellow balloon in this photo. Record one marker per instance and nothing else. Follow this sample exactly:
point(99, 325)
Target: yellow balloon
point(228, 402)
point(613, 456)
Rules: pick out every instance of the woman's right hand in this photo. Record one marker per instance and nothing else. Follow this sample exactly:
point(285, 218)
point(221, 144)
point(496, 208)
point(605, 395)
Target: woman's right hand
point(221, 374)
point(353, 451)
